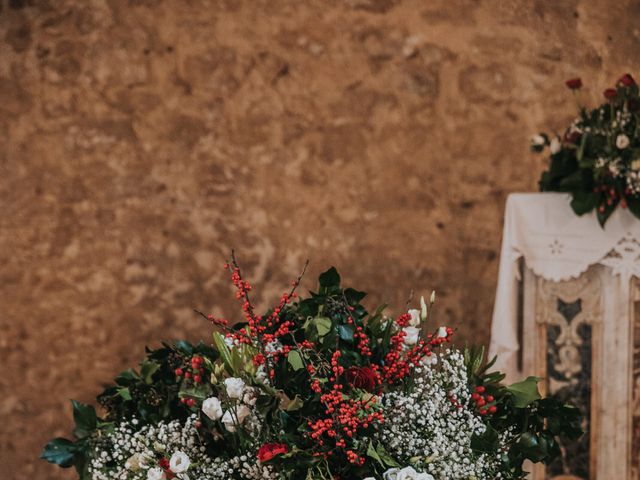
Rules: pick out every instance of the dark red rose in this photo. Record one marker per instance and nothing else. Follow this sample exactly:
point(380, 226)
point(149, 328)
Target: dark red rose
point(363, 377)
point(270, 450)
point(610, 93)
point(574, 83)
point(627, 80)
point(572, 137)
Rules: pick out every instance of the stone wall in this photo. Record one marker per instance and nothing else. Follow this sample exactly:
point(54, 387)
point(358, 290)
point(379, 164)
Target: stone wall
point(140, 140)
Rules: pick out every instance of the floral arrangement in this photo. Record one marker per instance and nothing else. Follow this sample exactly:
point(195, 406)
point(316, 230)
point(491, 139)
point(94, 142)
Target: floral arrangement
point(315, 388)
point(597, 159)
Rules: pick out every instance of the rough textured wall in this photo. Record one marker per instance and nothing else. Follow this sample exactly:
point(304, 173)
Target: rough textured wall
point(141, 139)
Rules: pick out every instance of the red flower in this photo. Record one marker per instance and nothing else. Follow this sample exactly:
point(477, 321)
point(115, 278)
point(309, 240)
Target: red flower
point(627, 80)
point(610, 93)
point(270, 450)
point(573, 137)
point(362, 377)
point(574, 83)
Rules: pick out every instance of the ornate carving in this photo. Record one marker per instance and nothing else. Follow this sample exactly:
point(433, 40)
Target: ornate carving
point(568, 313)
point(624, 258)
point(634, 461)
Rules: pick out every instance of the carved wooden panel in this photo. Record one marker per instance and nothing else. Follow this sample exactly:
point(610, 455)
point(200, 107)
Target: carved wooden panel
point(634, 457)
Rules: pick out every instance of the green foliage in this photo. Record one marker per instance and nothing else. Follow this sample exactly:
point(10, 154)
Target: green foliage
point(538, 424)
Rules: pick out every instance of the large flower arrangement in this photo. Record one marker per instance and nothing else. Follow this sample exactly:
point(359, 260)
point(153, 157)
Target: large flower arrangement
point(315, 388)
point(597, 159)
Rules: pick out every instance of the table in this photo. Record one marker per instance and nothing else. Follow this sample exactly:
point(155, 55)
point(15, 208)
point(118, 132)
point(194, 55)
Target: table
point(567, 310)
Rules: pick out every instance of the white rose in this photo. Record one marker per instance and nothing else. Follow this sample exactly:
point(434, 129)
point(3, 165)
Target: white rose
point(179, 462)
point(537, 140)
point(442, 332)
point(555, 146)
point(235, 387)
point(391, 474)
point(622, 141)
point(415, 317)
point(409, 473)
point(234, 417)
point(155, 473)
point(212, 408)
point(133, 463)
point(412, 334)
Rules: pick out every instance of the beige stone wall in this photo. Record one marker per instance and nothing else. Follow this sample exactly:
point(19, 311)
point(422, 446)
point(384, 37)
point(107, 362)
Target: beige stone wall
point(140, 140)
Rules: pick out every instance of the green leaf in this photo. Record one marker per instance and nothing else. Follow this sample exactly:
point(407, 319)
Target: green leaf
point(295, 404)
point(147, 370)
point(371, 453)
point(295, 360)
point(386, 456)
point(525, 393)
point(59, 451)
point(124, 393)
point(583, 202)
point(223, 350)
point(346, 332)
point(330, 278)
point(85, 418)
point(487, 442)
point(323, 325)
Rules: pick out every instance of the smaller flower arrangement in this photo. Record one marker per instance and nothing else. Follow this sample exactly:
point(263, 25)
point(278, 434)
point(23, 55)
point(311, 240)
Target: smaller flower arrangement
point(597, 159)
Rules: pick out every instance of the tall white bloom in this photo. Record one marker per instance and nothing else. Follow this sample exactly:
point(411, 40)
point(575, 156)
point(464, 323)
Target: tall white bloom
point(235, 387)
point(442, 332)
point(155, 473)
point(179, 462)
point(622, 141)
point(555, 146)
point(212, 408)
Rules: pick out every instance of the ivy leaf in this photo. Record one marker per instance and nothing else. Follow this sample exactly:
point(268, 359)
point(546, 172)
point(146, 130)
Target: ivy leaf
point(85, 418)
point(147, 370)
point(323, 325)
point(124, 393)
point(59, 451)
point(330, 278)
point(525, 393)
point(295, 360)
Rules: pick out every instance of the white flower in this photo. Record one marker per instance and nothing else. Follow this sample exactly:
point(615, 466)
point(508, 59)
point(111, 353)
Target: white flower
point(250, 396)
point(429, 359)
point(235, 387)
point(635, 165)
point(179, 462)
point(412, 334)
point(442, 332)
point(407, 473)
point(134, 462)
point(555, 146)
point(622, 141)
point(212, 408)
point(537, 140)
point(234, 417)
point(155, 473)
point(415, 317)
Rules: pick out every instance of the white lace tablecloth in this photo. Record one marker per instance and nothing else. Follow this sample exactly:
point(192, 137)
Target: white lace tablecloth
point(557, 245)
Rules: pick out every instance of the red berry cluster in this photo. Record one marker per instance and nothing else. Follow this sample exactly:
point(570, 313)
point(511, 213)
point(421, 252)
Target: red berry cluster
point(483, 402)
point(193, 371)
point(344, 416)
